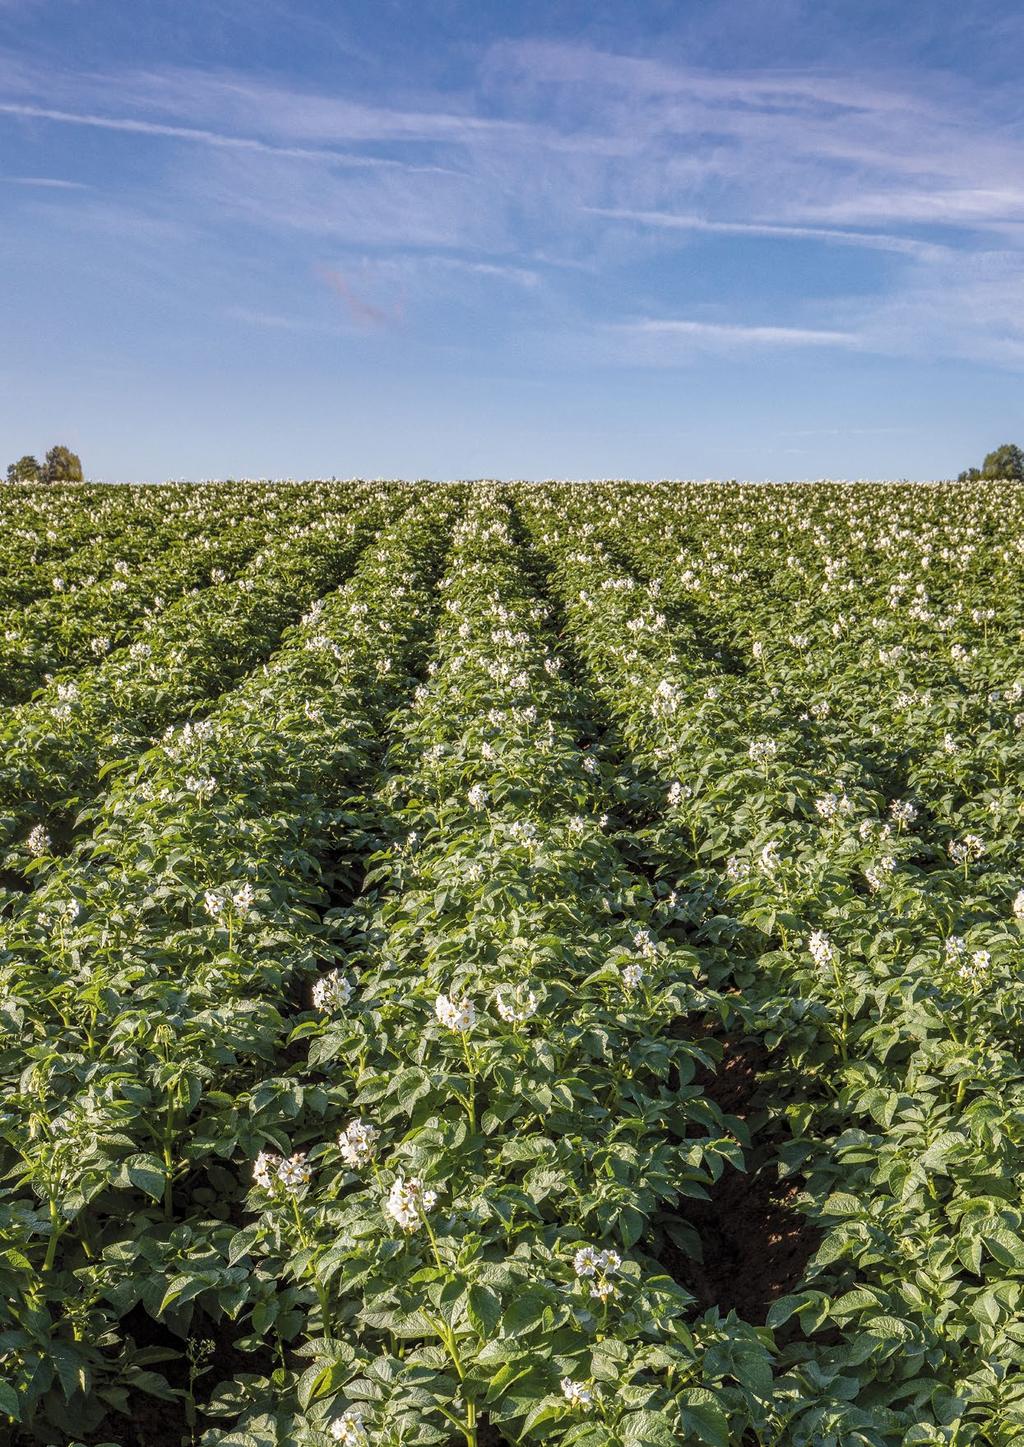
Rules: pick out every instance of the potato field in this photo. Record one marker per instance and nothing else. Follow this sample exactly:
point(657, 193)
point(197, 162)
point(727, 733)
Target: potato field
point(507, 964)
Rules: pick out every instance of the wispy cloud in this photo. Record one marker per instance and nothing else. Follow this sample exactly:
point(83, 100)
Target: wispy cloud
point(738, 334)
point(51, 183)
point(873, 240)
point(275, 321)
point(219, 140)
point(592, 162)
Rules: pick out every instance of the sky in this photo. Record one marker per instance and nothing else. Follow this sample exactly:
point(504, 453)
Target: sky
point(548, 238)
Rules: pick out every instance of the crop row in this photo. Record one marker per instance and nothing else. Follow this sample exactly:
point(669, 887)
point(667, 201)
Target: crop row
point(147, 984)
point(136, 573)
point(875, 940)
point(55, 749)
point(511, 1118)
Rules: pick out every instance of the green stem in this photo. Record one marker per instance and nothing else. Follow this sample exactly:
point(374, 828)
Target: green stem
point(55, 1234)
point(471, 1096)
point(169, 1164)
point(321, 1291)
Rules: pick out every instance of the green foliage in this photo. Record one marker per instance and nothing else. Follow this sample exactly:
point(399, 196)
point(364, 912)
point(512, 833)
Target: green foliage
point(1003, 464)
point(389, 902)
point(61, 465)
point(1006, 462)
point(26, 469)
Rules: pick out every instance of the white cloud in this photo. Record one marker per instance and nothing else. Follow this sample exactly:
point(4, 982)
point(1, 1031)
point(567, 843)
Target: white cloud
point(222, 141)
point(546, 145)
point(738, 333)
point(52, 183)
point(873, 240)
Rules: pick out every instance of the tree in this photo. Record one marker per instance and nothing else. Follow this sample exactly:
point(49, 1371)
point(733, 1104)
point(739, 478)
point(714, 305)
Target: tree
point(62, 465)
point(1005, 462)
point(26, 469)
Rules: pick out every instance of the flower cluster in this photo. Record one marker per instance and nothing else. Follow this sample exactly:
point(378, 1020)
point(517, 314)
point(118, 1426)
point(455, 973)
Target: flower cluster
point(290, 1173)
point(598, 1269)
point(579, 1395)
point(455, 1014)
point(821, 948)
point(409, 1201)
point(515, 1005)
point(239, 901)
point(348, 1429)
point(358, 1143)
point(331, 992)
point(966, 850)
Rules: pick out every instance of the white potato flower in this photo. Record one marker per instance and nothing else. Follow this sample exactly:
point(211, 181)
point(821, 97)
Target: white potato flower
point(348, 1429)
point(903, 811)
point(331, 992)
point(358, 1143)
point(578, 1394)
point(632, 977)
point(242, 899)
point(455, 1014)
point(264, 1169)
point(821, 948)
point(408, 1202)
point(515, 1005)
point(294, 1172)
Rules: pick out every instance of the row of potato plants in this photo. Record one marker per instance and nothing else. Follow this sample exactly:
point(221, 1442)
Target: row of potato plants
point(876, 937)
point(56, 748)
point(147, 987)
point(500, 1116)
point(135, 574)
point(56, 535)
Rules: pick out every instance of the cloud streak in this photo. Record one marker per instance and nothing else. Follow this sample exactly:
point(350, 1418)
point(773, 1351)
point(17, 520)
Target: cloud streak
point(52, 183)
point(873, 240)
point(738, 333)
point(219, 140)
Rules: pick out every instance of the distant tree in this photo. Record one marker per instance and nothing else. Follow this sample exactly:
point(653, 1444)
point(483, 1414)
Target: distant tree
point(1005, 462)
point(62, 465)
point(26, 469)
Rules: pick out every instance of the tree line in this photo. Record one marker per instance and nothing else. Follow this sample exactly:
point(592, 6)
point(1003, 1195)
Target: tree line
point(1005, 463)
point(59, 465)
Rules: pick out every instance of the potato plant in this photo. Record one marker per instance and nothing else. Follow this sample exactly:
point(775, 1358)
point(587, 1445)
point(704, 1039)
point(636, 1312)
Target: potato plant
point(385, 922)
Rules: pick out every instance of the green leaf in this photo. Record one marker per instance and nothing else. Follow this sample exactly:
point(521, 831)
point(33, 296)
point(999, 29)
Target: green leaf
point(526, 1309)
point(484, 1310)
point(647, 1429)
point(968, 1248)
point(147, 1174)
point(9, 1404)
point(1004, 1246)
point(702, 1416)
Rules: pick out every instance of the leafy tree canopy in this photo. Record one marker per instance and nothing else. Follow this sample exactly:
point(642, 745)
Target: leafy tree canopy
point(59, 465)
point(26, 469)
point(62, 465)
point(1006, 462)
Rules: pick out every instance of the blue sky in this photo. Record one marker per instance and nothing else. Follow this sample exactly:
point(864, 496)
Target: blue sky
point(730, 238)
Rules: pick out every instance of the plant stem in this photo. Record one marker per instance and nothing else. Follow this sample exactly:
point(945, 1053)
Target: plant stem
point(321, 1291)
point(471, 1096)
point(55, 1235)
